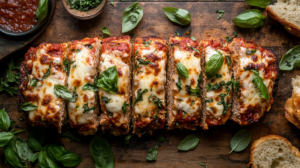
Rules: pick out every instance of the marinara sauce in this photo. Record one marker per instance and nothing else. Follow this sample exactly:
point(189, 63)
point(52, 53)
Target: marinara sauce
point(18, 15)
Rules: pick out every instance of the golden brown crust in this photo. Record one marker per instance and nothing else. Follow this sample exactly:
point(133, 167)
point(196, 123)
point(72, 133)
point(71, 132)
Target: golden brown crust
point(290, 27)
point(291, 111)
point(260, 141)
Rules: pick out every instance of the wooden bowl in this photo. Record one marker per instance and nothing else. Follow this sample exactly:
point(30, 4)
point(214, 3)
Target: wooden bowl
point(85, 15)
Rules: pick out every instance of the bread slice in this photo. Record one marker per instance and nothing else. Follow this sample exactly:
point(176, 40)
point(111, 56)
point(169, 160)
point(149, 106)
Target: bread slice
point(273, 151)
point(292, 105)
point(287, 13)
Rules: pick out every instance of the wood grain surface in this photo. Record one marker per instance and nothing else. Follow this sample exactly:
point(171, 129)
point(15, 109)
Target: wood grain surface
point(213, 147)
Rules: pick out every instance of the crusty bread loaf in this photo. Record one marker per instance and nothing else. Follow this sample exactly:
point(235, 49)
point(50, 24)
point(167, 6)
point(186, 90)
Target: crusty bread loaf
point(287, 13)
point(292, 105)
point(273, 151)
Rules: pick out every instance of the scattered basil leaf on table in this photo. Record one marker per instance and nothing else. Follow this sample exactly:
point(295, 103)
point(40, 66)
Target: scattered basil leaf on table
point(4, 120)
point(259, 3)
point(203, 165)
point(127, 138)
point(250, 52)
point(83, 5)
point(132, 15)
point(23, 151)
point(291, 59)
point(147, 43)
point(251, 18)
point(45, 161)
point(189, 142)
point(139, 96)
point(182, 70)
point(178, 15)
point(152, 154)
point(220, 12)
point(177, 34)
point(108, 80)
point(105, 30)
point(214, 63)
point(36, 138)
point(63, 92)
point(11, 157)
point(42, 10)
point(101, 153)
point(90, 86)
point(160, 140)
point(5, 137)
point(28, 106)
point(240, 140)
point(259, 83)
point(64, 157)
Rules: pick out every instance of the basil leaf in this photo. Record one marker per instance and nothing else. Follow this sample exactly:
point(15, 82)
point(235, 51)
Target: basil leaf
point(193, 49)
point(90, 86)
point(193, 38)
point(109, 80)
point(67, 65)
point(4, 120)
point(203, 165)
point(259, 83)
point(154, 99)
point(189, 142)
point(127, 138)
point(152, 154)
point(221, 12)
point(250, 52)
point(182, 70)
point(28, 106)
point(73, 136)
point(160, 139)
point(59, 155)
point(252, 18)
point(105, 30)
point(48, 72)
point(259, 3)
point(45, 161)
point(144, 62)
point(291, 59)
point(23, 151)
point(228, 60)
point(11, 76)
point(87, 108)
point(213, 65)
point(139, 96)
point(194, 92)
point(132, 15)
point(240, 140)
point(5, 137)
point(124, 107)
point(178, 15)
point(11, 157)
point(36, 138)
point(101, 153)
point(105, 99)
point(179, 84)
point(63, 92)
point(32, 82)
point(112, 2)
point(147, 43)
point(109, 113)
point(42, 10)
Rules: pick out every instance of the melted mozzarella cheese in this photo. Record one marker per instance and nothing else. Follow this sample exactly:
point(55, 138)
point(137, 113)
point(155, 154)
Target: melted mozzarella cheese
point(213, 107)
point(183, 99)
point(82, 71)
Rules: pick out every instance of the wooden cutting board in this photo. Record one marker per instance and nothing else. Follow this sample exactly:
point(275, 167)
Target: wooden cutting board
point(213, 147)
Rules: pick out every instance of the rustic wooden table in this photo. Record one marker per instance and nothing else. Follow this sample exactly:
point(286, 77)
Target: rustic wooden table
point(213, 147)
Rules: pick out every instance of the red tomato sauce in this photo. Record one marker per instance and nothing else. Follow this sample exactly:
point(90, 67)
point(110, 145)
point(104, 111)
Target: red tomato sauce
point(18, 15)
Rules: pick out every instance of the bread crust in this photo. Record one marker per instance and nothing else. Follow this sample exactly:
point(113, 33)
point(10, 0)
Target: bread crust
point(290, 27)
point(260, 141)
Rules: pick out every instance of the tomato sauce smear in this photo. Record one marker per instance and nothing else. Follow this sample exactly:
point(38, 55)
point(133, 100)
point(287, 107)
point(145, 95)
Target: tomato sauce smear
point(18, 15)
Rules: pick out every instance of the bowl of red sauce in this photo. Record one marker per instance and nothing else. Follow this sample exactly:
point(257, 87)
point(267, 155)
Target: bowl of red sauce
point(22, 17)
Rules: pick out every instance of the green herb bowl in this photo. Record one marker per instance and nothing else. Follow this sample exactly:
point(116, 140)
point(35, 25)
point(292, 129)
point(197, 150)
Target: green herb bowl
point(85, 15)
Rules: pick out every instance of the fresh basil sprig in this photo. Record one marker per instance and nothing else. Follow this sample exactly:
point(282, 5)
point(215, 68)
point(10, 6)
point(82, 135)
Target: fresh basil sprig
point(240, 140)
point(101, 153)
point(220, 12)
point(108, 80)
point(90, 86)
point(251, 18)
point(45, 161)
point(4, 120)
point(213, 65)
point(28, 106)
point(291, 59)
point(23, 151)
point(263, 90)
point(36, 138)
point(132, 15)
point(152, 154)
point(189, 142)
point(64, 157)
point(105, 30)
point(178, 15)
point(259, 3)
point(139, 96)
point(63, 92)
point(11, 157)
point(42, 10)
point(5, 137)
point(182, 70)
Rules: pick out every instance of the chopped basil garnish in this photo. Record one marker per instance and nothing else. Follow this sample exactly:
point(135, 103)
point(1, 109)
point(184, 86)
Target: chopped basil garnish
point(48, 72)
point(218, 76)
point(224, 103)
point(144, 62)
point(87, 108)
point(109, 113)
point(105, 99)
point(124, 107)
point(32, 81)
point(63, 92)
point(179, 84)
point(147, 43)
point(139, 96)
point(259, 83)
